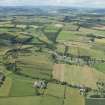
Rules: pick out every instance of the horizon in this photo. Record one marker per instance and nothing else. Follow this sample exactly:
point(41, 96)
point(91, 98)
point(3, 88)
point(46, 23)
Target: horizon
point(58, 6)
point(59, 3)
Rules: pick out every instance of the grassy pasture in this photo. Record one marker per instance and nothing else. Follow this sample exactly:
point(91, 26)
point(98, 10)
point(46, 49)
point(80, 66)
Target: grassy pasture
point(51, 30)
point(73, 97)
point(4, 29)
point(89, 30)
point(28, 100)
point(55, 90)
point(75, 35)
point(22, 88)
point(68, 35)
point(98, 46)
point(5, 88)
point(82, 49)
point(48, 100)
point(19, 77)
point(45, 100)
point(70, 27)
point(100, 41)
point(39, 65)
point(100, 67)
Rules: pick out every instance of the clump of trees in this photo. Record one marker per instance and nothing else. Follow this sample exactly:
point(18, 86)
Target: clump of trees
point(2, 78)
point(9, 60)
point(101, 88)
point(100, 91)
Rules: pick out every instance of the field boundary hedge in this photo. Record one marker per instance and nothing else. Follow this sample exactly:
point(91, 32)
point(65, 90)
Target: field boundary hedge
point(95, 101)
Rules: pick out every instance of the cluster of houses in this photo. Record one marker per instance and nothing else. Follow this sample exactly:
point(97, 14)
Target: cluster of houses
point(40, 84)
point(82, 89)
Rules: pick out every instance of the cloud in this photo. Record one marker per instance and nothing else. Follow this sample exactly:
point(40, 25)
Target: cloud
point(92, 3)
point(87, 3)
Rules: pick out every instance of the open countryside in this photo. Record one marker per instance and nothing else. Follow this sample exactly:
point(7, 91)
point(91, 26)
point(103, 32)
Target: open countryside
point(52, 56)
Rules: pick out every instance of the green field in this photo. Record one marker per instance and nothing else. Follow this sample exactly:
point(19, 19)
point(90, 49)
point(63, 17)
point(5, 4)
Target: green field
point(73, 97)
point(36, 65)
point(24, 88)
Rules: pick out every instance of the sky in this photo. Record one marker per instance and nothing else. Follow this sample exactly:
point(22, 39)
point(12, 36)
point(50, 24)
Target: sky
point(78, 3)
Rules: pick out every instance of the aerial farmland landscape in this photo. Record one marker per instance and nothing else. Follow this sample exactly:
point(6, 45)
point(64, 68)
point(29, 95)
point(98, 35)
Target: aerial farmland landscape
point(52, 54)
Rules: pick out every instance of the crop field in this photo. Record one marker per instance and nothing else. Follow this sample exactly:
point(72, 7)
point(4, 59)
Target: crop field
point(79, 75)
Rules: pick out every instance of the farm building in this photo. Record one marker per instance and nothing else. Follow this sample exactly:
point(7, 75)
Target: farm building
point(40, 84)
point(82, 91)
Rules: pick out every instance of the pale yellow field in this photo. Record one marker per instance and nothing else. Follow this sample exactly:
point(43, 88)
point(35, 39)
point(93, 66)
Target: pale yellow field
point(80, 75)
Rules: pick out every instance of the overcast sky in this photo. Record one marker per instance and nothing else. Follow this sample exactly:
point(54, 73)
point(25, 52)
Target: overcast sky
point(83, 3)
